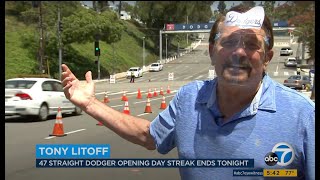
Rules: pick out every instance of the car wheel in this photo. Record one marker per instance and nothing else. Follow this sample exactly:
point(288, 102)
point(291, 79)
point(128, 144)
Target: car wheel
point(77, 111)
point(43, 112)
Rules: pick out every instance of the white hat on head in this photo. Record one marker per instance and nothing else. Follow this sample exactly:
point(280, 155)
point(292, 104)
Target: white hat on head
point(251, 19)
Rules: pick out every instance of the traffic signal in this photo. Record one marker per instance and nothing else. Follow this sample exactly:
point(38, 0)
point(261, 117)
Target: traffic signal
point(60, 26)
point(96, 48)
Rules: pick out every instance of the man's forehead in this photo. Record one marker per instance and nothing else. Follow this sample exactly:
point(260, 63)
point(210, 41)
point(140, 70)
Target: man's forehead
point(234, 29)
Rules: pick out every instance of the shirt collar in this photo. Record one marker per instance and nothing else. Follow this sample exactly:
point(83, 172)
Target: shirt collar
point(264, 99)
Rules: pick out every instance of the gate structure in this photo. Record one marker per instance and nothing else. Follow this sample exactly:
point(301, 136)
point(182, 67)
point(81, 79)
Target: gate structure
point(205, 28)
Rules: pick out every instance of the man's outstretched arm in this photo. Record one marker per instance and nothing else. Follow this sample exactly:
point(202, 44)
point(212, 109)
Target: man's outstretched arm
point(133, 129)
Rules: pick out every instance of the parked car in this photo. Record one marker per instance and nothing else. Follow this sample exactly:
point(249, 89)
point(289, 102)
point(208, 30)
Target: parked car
point(297, 81)
point(38, 97)
point(286, 51)
point(156, 67)
point(290, 62)
point(137, 71)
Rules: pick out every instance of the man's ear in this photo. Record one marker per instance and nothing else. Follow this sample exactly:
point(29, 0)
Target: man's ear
point(211, 53)
point(210, 49)
point(269, 55)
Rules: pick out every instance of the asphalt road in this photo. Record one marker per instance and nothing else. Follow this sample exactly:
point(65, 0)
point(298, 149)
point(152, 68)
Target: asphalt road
point(22, 135)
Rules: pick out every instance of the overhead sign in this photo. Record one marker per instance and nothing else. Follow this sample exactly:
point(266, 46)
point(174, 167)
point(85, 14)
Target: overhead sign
point(169, 27)
point(280, 24)
point(182, 27)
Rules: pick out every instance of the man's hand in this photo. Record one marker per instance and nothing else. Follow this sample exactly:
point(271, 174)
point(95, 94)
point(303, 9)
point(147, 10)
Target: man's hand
point(79, 94)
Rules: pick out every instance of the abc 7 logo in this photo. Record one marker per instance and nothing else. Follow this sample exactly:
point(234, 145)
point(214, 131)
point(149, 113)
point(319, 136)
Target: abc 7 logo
point(282, 154)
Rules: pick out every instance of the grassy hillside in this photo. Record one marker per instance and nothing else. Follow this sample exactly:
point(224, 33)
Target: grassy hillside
point(18, 60)
point(80, 57)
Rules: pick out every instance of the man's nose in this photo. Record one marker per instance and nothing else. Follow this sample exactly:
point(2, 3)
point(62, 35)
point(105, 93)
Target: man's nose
point(240, 50)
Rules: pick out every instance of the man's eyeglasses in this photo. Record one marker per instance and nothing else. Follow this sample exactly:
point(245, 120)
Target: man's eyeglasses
point(251, 42)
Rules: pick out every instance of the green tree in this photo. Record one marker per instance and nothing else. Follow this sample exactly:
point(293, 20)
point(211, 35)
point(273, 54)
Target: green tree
point(85, 24)
point(302, 16)
point(222, 7)
point(249, 3)
point(269, 9)
point(127, 7)
point(156, 14)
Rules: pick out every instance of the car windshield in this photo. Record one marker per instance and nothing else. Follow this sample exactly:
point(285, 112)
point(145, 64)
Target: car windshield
point(154, 64)
point(19, 84)
point(133, 69)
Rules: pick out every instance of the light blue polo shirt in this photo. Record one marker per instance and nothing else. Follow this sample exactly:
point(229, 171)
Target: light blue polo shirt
point(277, 114)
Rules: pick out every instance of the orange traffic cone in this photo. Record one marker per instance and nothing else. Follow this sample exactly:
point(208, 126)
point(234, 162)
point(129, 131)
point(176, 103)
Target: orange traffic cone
point(148, 107)
point(163, 103)
point(161, 91)
point(139, 94)
point(99, 124)
point(126, 108)
point(58, 125)
point(149, 94)
point(168, 90)
point(105, 99)
point(155, 94)
point(124, 96)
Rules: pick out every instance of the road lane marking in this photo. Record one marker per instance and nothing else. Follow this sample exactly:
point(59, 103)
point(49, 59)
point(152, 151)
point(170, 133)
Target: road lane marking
point(187, 77)
point(102, 93)
point(199, 77)
point(143, 114)
point(116, 106)
point(50, 137)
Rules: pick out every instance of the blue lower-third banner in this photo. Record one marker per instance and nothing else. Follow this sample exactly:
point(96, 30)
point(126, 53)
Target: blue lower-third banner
point(153, 163)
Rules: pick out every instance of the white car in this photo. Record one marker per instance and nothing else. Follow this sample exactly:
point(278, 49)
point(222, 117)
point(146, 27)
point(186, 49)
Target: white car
point(291, 61)
point(156, 67)
point(286, 51)
point(137, 71)
point(38, 97)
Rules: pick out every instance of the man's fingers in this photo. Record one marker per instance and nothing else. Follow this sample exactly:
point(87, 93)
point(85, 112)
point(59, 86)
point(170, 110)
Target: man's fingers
point(67, 71)
point(89, 77)
point(65, 81)
point(66, 87)
point(64, 67)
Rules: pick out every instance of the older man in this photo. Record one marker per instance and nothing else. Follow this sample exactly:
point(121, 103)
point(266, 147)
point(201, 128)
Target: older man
point(241, 114)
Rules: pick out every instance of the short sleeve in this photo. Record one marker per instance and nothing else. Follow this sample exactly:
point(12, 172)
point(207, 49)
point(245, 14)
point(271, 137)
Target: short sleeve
point(162, 128)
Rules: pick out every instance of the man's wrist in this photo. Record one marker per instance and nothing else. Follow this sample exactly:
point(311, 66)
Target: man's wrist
point(90, 103)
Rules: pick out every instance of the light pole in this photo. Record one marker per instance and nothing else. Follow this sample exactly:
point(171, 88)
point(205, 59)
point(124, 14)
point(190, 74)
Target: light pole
point(41, 39)
point(178, 49)
point(166, 46)
point(143, 52)
point(60, 46)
